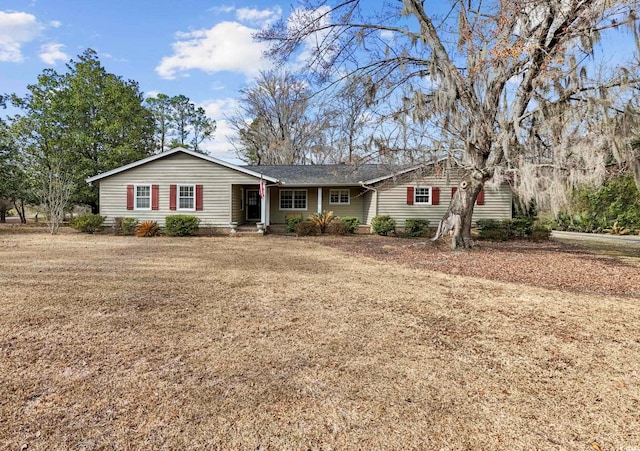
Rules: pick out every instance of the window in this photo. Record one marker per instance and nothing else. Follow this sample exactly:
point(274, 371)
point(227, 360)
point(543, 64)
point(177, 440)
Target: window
point(423, 196)
point(241, 199)
point(186, 197)
point(293, 199)
point(143, 197)
point(339, 196)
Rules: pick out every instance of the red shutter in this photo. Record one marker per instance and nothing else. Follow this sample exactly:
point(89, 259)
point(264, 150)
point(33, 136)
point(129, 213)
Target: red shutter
point(129, 197)
point(480, 198)
point(155, 197)
point(409, 195)
point(435, 196)
point(172, 197)
point(453, 191)
point(199, 197)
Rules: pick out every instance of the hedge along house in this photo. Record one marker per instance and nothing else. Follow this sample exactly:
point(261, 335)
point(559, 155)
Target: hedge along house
point(181, 181)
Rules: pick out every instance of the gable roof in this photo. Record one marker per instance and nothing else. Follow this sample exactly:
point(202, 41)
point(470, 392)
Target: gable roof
point(168, 153)
point(329, 174)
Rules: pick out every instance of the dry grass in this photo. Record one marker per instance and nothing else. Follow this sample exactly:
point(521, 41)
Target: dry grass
point(279, 343)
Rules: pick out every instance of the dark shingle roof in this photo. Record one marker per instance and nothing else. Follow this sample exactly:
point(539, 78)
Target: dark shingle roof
point(323, 174)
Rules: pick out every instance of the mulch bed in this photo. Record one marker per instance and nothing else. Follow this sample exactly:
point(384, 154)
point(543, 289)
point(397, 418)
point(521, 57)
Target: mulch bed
point(549, 264)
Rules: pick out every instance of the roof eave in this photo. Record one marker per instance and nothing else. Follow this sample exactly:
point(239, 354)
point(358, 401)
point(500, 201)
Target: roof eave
point(172, 152)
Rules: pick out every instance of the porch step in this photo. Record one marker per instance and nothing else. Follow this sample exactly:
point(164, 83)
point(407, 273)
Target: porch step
point(247, 230)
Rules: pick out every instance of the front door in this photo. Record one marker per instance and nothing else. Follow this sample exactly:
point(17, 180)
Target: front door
point(254, 210)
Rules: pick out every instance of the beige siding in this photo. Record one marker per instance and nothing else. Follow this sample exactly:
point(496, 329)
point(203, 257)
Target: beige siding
point(176, 169)
point(369, 206)
point(354, 208)
point(278, 216)
point(392, 201)
point(238, 213)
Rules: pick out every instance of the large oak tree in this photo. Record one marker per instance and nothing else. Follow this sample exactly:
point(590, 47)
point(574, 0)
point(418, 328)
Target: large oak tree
point(526, 91)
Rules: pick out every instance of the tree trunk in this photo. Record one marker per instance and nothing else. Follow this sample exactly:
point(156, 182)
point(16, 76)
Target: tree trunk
point(457, 219)
point(3, 216)
point(19, 206)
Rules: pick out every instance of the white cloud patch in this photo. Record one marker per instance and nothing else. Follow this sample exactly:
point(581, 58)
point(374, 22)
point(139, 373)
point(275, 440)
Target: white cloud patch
point(387, 35)
point(220, 146)
point(55, 24)
point(52, 52)
point(227, 46)
point(16, 29)
point(260, 17)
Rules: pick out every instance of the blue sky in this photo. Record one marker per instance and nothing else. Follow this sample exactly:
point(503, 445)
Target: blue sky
point(202, 49)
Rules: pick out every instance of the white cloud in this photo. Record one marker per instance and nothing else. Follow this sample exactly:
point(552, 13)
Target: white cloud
point(220, 146)
point(52, 52)
point(55, 24)
point(152, 93)
point(387, 35)
point(16, 29)
point(227, 46)
point(260, 17)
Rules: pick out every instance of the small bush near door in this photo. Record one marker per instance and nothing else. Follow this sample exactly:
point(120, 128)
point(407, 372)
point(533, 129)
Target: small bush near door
point(307, 228)
point(351, 223)
point(383, 224)
point(292, 222)
point(181, 225)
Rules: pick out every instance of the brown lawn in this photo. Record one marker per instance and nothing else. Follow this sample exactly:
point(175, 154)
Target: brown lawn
point(283, 343)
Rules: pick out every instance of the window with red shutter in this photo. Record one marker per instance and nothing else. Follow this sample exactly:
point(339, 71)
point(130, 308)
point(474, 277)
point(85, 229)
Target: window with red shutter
point(199, 197)
point(172, 197)
point(409, 195)
point(155, 197)
point(435, 196)
point(129, 197)
point(480, 198)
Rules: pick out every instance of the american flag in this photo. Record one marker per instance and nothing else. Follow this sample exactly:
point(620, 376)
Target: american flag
point(262, 187)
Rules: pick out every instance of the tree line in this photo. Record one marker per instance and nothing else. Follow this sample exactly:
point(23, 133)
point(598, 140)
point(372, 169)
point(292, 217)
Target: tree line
point(76, 124)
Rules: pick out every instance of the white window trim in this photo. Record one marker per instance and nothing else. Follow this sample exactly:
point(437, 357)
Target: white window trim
point(415, 195)
point(339, 190)
point(135, 196)
point(178, 196)
point(306, 193)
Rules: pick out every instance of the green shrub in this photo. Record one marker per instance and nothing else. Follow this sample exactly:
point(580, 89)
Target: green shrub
point(128, 226)
point(383, 224)
point(181, 225)
point(493, 230)
point(521, 227)
point(510, 229)
point(148, 229)
point(291, 223)
point(307, 228)
point(540, 233)
point(416, 227)
point(88, 223)
point(351, 223)
point(338, 228)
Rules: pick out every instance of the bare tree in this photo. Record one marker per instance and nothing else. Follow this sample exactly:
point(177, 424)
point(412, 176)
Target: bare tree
point(55, 192)
point(513, 88)
point(284, 128)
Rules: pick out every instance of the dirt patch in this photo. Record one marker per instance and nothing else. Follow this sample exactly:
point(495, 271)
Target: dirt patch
point(282, 343)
